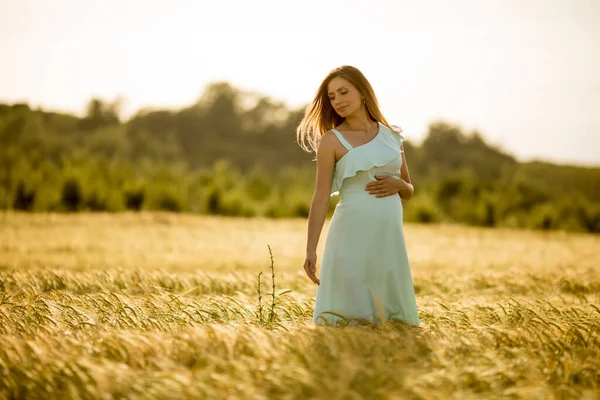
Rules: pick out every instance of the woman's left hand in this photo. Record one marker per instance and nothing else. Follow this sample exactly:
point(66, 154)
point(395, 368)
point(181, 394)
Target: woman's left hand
point(384, 186)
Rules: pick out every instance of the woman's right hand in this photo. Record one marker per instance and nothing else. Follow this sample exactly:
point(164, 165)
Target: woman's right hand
point(310, 266)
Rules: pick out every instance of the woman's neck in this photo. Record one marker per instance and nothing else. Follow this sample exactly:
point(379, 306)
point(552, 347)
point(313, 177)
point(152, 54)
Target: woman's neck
point(360, 122)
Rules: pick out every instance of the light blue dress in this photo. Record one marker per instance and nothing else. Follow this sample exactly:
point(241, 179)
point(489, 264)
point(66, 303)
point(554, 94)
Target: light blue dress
point(364, 271)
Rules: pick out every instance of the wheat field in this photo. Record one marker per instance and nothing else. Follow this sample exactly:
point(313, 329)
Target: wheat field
point(168, 306)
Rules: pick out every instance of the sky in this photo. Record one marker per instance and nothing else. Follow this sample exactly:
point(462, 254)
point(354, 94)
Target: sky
point(524, 73)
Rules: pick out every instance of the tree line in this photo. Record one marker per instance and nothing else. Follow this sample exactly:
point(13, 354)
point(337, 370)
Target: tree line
point(233, 152)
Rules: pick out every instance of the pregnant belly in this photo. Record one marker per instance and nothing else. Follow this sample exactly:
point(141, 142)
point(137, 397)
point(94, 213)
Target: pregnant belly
point(361, 203)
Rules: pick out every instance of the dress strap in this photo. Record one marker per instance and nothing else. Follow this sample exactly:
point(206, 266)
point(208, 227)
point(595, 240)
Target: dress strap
point(341, 138)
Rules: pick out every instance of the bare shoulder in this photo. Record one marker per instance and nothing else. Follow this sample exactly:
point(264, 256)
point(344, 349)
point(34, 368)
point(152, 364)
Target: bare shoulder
point(328, 141)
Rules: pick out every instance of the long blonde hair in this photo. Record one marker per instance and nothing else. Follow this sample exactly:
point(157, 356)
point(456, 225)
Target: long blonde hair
point(320, 117)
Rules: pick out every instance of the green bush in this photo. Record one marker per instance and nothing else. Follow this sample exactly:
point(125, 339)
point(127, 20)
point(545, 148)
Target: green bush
point(543, 216)
point(104, 199)
point(486, 212)
point(134, 197)
point(24, 197)
point(168, 200)
point(258, 184)
point(235, 203)
point(589, 216)
point(71, 195)
point(422, 208)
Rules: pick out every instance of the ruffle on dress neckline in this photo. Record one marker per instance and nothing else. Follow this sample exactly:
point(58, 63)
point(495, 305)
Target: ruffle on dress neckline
point(383, 149)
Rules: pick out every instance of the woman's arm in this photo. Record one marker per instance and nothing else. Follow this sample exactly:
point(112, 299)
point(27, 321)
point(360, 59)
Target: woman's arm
point(390, 186)
point(320, 201)
point(405, 186)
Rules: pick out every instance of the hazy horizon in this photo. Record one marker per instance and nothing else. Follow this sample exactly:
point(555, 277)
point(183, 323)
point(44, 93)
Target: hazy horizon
point(524, 74)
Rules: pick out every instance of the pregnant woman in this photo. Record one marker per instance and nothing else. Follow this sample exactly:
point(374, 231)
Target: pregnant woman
point(365, 273)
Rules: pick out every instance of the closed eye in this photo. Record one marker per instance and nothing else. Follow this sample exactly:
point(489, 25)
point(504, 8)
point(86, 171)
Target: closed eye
point(342, 93)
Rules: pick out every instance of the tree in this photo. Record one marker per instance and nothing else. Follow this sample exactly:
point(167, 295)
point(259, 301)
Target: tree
point(100, 114)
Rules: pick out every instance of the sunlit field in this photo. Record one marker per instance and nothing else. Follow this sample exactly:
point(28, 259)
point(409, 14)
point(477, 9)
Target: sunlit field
point(168, 306)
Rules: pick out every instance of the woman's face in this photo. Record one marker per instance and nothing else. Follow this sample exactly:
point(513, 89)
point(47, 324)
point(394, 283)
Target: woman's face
point(344, 97)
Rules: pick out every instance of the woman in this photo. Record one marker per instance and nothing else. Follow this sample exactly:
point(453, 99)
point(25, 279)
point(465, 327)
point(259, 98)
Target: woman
point(365, 273)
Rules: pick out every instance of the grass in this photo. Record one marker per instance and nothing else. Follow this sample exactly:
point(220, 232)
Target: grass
point(162, 306)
